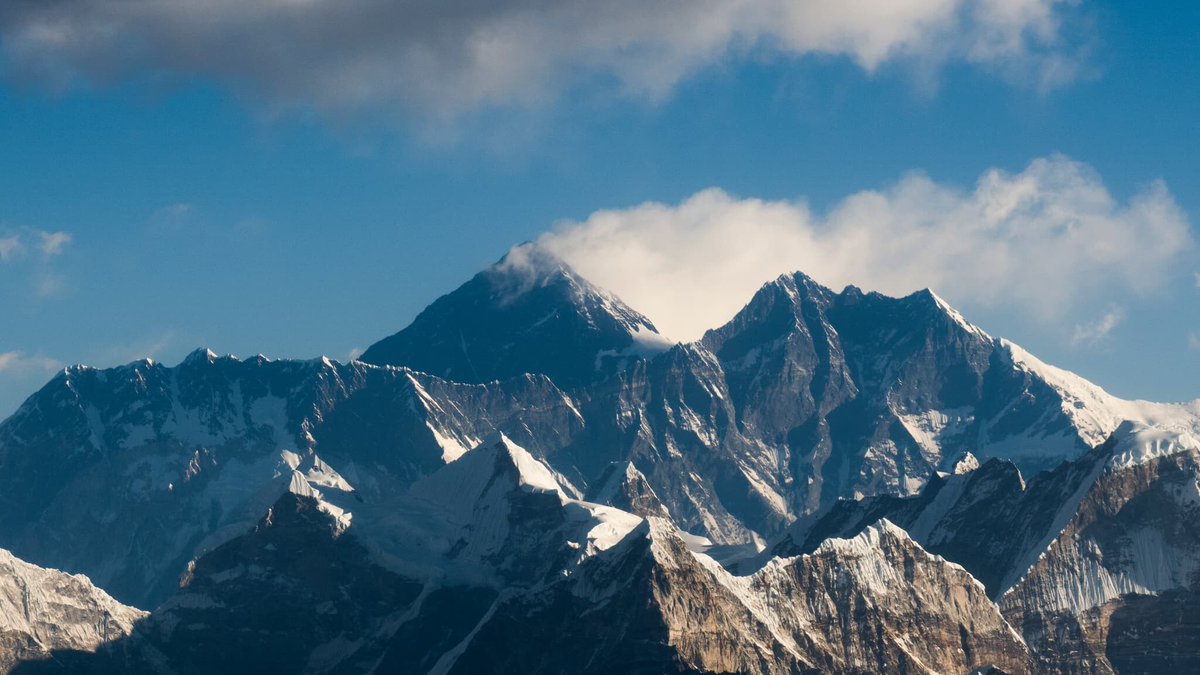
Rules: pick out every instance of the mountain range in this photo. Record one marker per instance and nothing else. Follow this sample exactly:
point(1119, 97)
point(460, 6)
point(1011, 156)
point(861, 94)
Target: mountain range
point(530, 478)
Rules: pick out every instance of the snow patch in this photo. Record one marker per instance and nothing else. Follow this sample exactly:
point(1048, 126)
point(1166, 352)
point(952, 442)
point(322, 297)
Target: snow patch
point(1095, 412)
point(1143, 444)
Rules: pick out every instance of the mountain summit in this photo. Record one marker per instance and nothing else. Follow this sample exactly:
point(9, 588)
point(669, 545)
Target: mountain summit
point(528, 313)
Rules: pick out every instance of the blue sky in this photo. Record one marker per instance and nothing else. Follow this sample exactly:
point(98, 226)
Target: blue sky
point(311, 197)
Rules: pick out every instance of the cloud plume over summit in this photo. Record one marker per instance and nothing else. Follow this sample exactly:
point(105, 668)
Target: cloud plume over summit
point(1038, 241)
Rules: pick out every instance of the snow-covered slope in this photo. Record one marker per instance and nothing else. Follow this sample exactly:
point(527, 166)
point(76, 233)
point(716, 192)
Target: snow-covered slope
point(1094, 413)
point(43, 610)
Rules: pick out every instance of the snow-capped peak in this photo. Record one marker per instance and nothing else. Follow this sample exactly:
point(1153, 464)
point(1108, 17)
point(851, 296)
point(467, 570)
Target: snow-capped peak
point(528, 313)
point(532, 474)
point(966, 464)
point(198, 356)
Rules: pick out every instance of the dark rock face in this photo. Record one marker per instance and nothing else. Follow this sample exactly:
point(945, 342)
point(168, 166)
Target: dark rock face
point(528, 313)
point(322, 590)
point(1148, 634)
point(626, 489)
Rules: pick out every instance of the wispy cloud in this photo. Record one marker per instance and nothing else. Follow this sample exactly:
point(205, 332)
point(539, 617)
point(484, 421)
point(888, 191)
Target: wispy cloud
point(10, 248)
point(1040, 241)
point(172, 217)
point(16, 363)
point(1093, 333)
point(446, 56)
point(30, 252)
point(15, 245)
point(47, 285)
point(1194, 342)
point(52, 243)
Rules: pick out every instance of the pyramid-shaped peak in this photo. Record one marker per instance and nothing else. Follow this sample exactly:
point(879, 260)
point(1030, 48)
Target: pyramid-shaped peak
point(198, 356)
point(778, 309)
point(527, 313)
point(800, 287)
point(528, 268)
point(624, 487)
point(792, 290)
point(532, 474)
point(533, 262)
point(494, 470)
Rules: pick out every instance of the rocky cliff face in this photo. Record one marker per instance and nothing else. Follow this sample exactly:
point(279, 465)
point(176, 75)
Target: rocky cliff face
point(43, 611)
point(1122, 566)
point(1080, 559)
point(881, 603)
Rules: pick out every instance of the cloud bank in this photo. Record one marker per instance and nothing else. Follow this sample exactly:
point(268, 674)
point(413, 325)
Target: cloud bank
point(446, 56)
point(1039, 241)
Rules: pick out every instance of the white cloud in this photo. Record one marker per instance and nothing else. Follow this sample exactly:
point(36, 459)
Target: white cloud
point(1092, 333)
point(449, 55)
point(1040, 240)
point(1194, 342)
point(10, 248)
point(17, 364)
point(52, 243)
point(14, 245)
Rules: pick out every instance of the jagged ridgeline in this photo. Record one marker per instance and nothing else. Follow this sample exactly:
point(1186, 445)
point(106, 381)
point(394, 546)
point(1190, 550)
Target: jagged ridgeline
point(529, 478)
